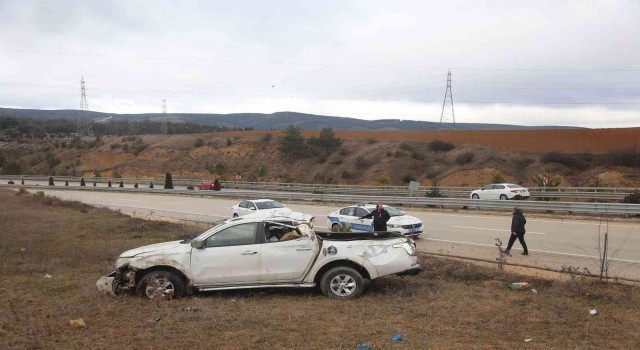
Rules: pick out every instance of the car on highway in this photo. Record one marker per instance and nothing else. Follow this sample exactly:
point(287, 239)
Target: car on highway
point(266, 208)
point(251, 252)
point(501, 191)
point(206, 186)
point(350, 216)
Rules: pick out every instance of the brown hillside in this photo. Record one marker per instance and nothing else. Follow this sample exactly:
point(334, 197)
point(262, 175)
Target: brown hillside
point(563, 140)
point(365, 157)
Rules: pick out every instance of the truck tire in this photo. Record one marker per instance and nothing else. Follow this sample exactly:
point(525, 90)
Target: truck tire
point(342, 282)
point(160, 284)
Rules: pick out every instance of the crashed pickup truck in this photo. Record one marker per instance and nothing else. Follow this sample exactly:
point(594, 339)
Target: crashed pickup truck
point(258, 252)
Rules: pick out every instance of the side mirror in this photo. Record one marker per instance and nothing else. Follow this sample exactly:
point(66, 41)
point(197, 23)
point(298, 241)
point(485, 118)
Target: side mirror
point(196, 243)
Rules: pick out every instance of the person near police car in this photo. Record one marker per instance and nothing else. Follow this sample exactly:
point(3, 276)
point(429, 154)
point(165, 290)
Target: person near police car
point(380, 217)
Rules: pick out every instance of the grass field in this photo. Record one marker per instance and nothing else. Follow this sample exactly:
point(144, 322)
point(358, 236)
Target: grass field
point(451, 305)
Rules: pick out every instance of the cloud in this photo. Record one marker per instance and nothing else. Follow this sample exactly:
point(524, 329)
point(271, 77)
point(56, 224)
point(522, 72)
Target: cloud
point(532, 63)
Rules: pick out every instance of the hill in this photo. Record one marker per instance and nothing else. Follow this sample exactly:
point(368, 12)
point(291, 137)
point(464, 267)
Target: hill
point(602, 157)
point(274, 121)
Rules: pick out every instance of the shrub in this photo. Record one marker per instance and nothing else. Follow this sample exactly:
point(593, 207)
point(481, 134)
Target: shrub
point(465, 158)
point(361, 162)
point(518, 197)
point(11, 183)
point(343, 151)
point(568, 160)
point(199, 142)
point(371, 141)
point(138, 148)
point(408, 178)
point(399, 154)
point(389, 154)
point(115, 145)
point(327, 140)
point(384, 180)
point(266, 137)
point(440, 146)
point(189, 187)
point(135, 185)
point(216, 185)
point(109, 183)
point(405, 146)
point(229, 141)
point(12, 168)
point(168, 182)
point(125, 147)
point(322, 157)
point(346, 174)
point(633, 197)
point(39, 194)
point(628, 158)
point(434, 192)
point(417, 155)
point(51, 182)
point(151, 185)
point(121, 184)
point(497, 178)
point(262, 171)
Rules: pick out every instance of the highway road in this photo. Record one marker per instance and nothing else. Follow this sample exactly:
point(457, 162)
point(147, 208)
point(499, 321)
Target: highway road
point(553, 241)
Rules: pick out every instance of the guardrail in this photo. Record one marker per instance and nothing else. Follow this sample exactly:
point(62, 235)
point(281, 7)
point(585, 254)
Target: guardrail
point(577, 193)
point(573, 207)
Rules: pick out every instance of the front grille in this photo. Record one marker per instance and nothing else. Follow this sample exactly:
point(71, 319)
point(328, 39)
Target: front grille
point(412, 226)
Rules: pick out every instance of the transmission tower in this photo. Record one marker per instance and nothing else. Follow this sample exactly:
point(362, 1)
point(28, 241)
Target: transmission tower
point(84, 126)
point(164, 128)
point(446, 116)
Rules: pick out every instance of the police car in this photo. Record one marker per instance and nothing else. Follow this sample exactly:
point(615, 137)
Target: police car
point(399, 221)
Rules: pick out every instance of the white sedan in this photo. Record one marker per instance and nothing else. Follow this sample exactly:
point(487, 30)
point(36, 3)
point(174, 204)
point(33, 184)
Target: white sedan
point(501, 191)
point(350, 216)
point(267, 208)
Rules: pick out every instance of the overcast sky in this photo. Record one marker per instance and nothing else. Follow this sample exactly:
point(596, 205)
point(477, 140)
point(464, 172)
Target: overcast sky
point(531, 62)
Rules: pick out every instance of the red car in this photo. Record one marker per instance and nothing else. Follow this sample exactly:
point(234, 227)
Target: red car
point(206, 186)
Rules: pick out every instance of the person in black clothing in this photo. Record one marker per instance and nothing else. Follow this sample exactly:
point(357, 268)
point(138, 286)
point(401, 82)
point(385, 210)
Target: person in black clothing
point(517, 231)
point(380, 218)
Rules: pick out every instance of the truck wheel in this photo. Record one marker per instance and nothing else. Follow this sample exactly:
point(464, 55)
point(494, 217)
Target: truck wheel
point(342, 283)
point(160, 284)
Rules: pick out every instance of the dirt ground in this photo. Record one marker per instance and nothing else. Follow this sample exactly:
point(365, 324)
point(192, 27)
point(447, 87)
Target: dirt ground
point(53, 252)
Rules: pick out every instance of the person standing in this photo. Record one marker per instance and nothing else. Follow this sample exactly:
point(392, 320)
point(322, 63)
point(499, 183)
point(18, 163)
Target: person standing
point(517, 231)
point(380, 218)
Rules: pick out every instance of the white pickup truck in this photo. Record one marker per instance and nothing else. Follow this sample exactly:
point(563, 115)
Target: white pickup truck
point(262, 253)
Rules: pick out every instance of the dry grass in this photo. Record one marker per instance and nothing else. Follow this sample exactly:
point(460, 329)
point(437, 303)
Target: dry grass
point(450, 305)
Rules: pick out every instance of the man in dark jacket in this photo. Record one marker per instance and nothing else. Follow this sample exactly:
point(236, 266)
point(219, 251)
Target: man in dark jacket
point(517, 231)
point(380, 218)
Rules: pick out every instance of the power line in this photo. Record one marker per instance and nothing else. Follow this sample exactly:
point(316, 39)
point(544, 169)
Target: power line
point(159, 58)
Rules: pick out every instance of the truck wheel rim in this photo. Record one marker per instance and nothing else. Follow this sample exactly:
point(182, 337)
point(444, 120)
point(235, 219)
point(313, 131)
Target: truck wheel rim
point(159, 287)
point(343, 285)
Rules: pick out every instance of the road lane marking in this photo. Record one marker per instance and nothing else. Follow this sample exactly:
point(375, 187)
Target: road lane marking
point(531, 219)
point(128, 200)
point(178, 203)
point(531, 250)
point(495, 229)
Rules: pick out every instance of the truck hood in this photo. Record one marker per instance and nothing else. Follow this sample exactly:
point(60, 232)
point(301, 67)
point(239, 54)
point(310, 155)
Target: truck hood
point(154, 248)
point(404, 220)
point(281, 212)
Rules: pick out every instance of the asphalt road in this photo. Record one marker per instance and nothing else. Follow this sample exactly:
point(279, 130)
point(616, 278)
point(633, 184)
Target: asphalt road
point(553, 241)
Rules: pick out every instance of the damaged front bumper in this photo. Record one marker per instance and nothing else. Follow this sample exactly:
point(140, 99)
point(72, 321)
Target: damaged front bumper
point(412, 271)
point(122, 280)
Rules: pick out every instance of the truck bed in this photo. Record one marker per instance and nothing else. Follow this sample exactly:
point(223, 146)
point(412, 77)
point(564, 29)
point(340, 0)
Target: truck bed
point(350, 236)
